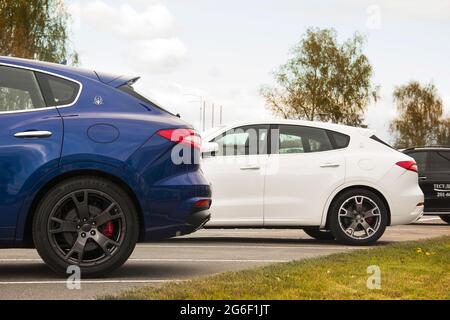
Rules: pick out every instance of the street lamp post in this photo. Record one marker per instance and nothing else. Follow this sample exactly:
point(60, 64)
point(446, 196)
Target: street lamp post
point(212, 116)
point(202, 108)
point(204, 115)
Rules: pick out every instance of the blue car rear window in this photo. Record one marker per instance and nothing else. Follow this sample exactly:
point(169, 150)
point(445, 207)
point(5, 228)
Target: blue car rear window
point(130, 90)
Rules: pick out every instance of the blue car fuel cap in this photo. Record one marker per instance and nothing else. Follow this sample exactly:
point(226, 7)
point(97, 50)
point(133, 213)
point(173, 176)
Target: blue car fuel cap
point(103, 133)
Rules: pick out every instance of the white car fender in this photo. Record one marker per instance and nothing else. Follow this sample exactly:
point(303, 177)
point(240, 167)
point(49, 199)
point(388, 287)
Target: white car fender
point(346, 185)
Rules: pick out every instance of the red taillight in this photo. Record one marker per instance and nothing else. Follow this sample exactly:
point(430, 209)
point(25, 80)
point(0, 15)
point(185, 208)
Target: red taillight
point(187, 137)
point(408, 165)
point(206, 203)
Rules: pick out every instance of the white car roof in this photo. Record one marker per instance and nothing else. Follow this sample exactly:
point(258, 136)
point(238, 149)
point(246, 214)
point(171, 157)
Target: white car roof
point(316, 124)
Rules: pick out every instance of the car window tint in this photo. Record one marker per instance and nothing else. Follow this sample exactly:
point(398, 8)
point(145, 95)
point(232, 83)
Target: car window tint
point(19, 90)
point(129, 89)
point(58, 91)
point(340, 140)
point(300, 139)
point(439, 161)
point(290, 143)
point(420, 158)
point(248, 140)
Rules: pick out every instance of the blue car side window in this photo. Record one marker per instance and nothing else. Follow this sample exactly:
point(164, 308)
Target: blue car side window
point(57, 91)
point(19, 90)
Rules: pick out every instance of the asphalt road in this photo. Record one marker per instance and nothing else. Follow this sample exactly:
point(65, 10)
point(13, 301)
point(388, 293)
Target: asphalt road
point(24, 276)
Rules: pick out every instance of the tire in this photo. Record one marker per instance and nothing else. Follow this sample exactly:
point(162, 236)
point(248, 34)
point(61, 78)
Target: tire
point(446, 218)
point(358, 217)
point(98, 245)
point(318, 234)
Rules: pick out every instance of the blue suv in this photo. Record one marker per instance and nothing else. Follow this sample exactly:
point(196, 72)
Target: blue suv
point(89, 167)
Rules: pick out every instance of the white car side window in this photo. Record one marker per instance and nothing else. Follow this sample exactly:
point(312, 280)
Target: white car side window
point(300, 139)
point(249, 140)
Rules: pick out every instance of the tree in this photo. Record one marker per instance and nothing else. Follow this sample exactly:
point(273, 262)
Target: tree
point(420, 121)
point(323, 80)
point(444, 133)
point(36, 29)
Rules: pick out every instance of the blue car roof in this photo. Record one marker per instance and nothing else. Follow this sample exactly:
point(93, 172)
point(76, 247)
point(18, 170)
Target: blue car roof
point(112, 80)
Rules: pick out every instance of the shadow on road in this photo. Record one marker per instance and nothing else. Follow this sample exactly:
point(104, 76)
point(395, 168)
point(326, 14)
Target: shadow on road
point(259, 241)
point(432, 224)
point(130, 271)
point(26, 271)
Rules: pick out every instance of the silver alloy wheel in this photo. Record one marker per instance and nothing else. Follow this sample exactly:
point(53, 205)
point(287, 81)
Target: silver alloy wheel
point(359, 217)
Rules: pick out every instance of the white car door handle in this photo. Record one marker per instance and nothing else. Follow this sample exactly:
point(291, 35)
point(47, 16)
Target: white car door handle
point(251, 168)
point(33, 134)
point(330, 165)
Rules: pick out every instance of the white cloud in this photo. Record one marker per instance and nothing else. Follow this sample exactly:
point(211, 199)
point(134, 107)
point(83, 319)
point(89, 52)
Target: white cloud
point(148, 28)
point(155, 21)
point(160, 55)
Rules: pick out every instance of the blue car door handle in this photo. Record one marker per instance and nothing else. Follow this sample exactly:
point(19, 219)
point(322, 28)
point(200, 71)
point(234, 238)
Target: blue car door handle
point(33, 134)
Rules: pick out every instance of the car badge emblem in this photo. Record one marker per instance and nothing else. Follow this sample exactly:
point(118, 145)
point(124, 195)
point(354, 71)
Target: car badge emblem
point(98, 101)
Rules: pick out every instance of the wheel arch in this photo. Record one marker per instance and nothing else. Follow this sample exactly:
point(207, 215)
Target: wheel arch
point(357, 186)
point(27, 234)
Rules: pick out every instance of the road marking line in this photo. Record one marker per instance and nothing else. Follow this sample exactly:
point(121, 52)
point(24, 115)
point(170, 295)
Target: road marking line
point(89, 281)
point(209, 260)
point(21, 260)
point(167, 260)
point(414, 229)
point(428, 219)
point(246, 247)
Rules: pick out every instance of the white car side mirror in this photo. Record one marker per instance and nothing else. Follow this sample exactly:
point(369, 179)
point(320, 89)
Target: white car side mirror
point(209, 148)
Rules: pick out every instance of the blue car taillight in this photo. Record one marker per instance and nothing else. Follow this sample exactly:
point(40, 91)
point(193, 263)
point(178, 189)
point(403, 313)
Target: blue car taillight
point(204, 203)
point(188, 137)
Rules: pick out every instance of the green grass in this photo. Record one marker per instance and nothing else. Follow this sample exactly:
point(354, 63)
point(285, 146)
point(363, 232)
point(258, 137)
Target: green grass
point(410, 270)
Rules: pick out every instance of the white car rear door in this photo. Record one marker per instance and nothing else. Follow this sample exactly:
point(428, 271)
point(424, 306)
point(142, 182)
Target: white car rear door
point(301, 174)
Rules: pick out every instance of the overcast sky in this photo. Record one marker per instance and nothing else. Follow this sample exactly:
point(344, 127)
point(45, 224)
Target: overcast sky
point(225, 50)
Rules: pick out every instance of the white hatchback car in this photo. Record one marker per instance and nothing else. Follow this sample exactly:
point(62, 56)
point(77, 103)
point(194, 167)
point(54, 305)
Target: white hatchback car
point(332, 181)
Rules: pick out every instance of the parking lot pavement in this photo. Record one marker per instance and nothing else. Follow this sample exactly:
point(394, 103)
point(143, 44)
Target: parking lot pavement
point(24, 276)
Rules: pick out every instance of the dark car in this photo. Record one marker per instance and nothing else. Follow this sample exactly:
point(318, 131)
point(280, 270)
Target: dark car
point(434, 178)
point(87, 167)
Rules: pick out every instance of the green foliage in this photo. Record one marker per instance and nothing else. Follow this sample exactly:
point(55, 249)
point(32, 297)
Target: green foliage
point(420, 121)
point(36, 29)
point(323, 80)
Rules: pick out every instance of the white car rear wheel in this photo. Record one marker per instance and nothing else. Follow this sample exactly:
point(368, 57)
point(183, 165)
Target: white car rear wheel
point(358, 217)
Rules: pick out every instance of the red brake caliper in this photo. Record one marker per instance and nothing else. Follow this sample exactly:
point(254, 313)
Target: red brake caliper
point(108, 229)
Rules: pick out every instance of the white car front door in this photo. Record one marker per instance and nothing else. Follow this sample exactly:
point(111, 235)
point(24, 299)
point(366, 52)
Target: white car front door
point(237, 173)
point(305, 168)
